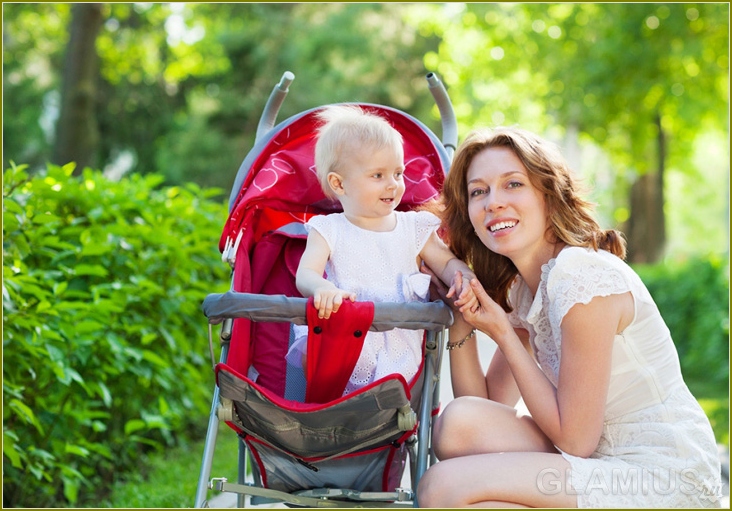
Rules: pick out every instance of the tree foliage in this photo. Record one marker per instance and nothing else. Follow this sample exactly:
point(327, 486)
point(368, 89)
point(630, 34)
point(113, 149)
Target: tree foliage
point(181, 86)
point(625, 77)
point(693, 297)
point(34, 36)
point(186, 99)
point(606, 69)
point(103, 339)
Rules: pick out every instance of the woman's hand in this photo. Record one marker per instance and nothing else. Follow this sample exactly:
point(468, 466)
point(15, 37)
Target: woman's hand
point(462, 292)
point(488, 317)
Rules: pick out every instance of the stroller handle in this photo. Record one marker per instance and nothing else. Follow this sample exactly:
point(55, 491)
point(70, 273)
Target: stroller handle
point(447, 114)
point(272, 107)
point(281, 308)
point(436, 88)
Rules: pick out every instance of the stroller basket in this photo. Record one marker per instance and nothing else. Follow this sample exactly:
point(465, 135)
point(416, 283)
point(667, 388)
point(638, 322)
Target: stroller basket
point(343, 451)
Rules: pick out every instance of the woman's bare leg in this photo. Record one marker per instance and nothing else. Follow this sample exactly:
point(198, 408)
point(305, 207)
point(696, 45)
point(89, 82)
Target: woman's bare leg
point(510, 479)
point(493, 457)
point(473, 425)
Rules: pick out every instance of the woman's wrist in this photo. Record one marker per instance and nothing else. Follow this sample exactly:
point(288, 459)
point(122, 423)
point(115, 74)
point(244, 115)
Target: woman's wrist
point(459, 344)
point(460, 333)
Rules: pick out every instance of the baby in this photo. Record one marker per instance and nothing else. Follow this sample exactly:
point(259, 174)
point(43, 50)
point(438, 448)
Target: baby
point(371, 252)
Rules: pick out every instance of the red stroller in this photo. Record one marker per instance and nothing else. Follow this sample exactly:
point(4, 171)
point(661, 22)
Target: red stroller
point(304, 444)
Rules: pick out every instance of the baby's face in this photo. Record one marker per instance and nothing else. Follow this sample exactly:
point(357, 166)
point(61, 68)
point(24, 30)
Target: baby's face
point(373, 182)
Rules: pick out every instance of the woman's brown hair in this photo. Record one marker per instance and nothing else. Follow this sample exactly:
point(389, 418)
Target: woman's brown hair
point(570, 216)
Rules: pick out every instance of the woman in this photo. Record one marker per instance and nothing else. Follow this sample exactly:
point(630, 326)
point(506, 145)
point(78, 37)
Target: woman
point(612, 423)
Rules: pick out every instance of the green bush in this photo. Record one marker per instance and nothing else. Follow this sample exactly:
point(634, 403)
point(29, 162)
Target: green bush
point(693, 297)
point(105, 350)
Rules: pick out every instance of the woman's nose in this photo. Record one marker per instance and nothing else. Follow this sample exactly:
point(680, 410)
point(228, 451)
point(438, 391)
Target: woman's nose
point(492, 202)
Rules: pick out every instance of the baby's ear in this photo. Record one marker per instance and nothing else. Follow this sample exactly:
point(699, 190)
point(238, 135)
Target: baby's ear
point(336, 183)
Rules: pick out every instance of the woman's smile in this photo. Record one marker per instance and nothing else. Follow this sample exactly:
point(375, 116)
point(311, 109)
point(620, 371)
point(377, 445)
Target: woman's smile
point(501, 227)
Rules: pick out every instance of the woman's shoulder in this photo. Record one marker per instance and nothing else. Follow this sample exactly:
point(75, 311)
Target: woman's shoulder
point(583, 257)
point(583, 271)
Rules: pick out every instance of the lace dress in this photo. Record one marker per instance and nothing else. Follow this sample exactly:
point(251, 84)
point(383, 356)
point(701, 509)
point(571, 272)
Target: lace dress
point(657, 447)
point(378, 267)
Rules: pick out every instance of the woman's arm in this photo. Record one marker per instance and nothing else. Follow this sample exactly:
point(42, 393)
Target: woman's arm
point(466, 373)
point(571, 415)
point(500, 381)
point(588, 333)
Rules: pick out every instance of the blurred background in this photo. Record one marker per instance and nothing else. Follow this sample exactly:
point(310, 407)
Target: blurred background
point(637, 94)
point(124, 126)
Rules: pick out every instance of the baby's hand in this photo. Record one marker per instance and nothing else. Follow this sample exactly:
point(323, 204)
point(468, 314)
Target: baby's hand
point(460, 287)
point(328, 301)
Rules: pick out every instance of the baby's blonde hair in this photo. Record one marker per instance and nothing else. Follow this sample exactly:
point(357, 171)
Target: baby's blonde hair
point(347, 128)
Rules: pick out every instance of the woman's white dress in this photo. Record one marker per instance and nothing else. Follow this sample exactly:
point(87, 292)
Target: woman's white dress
point(378, 267)
point(657, 447)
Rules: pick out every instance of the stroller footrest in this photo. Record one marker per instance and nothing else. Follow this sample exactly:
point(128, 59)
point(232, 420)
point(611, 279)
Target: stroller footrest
point(321, 497)
point(398, 495)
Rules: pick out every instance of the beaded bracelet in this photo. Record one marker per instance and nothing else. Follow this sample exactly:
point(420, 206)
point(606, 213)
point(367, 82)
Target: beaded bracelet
point(450, 347)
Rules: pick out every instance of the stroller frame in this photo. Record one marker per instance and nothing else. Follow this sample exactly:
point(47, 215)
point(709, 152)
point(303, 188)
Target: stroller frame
point(223, 308)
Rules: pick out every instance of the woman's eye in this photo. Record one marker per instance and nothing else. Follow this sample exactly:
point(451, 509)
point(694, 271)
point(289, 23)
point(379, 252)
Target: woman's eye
point(515, 184)
point(476, 192)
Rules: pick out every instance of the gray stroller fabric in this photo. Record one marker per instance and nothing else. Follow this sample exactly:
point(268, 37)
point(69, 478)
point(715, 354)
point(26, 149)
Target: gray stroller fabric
point(365, 472)
point(365, 420)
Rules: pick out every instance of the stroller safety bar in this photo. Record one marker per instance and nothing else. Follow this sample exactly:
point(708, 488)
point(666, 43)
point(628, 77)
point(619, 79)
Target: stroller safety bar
point(279, 308)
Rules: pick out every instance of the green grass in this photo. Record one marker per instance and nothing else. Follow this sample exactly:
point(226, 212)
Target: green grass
point(170, 479)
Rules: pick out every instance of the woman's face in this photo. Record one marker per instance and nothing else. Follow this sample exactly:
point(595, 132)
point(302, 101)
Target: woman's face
point(508, 213)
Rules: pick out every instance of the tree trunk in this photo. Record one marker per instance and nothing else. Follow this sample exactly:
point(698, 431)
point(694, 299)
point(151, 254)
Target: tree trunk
point(647, 224)
point(77, 132)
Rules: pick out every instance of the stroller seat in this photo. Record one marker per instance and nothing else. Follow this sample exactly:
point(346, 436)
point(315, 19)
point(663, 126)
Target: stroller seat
point(303, 441)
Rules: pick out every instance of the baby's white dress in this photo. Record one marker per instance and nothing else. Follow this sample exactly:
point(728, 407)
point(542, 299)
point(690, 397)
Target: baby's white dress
point(657, 447)
point(378, 267)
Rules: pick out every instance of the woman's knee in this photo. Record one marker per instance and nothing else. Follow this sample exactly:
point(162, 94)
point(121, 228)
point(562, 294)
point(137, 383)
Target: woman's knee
point(471, 425)
point(455, 428)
